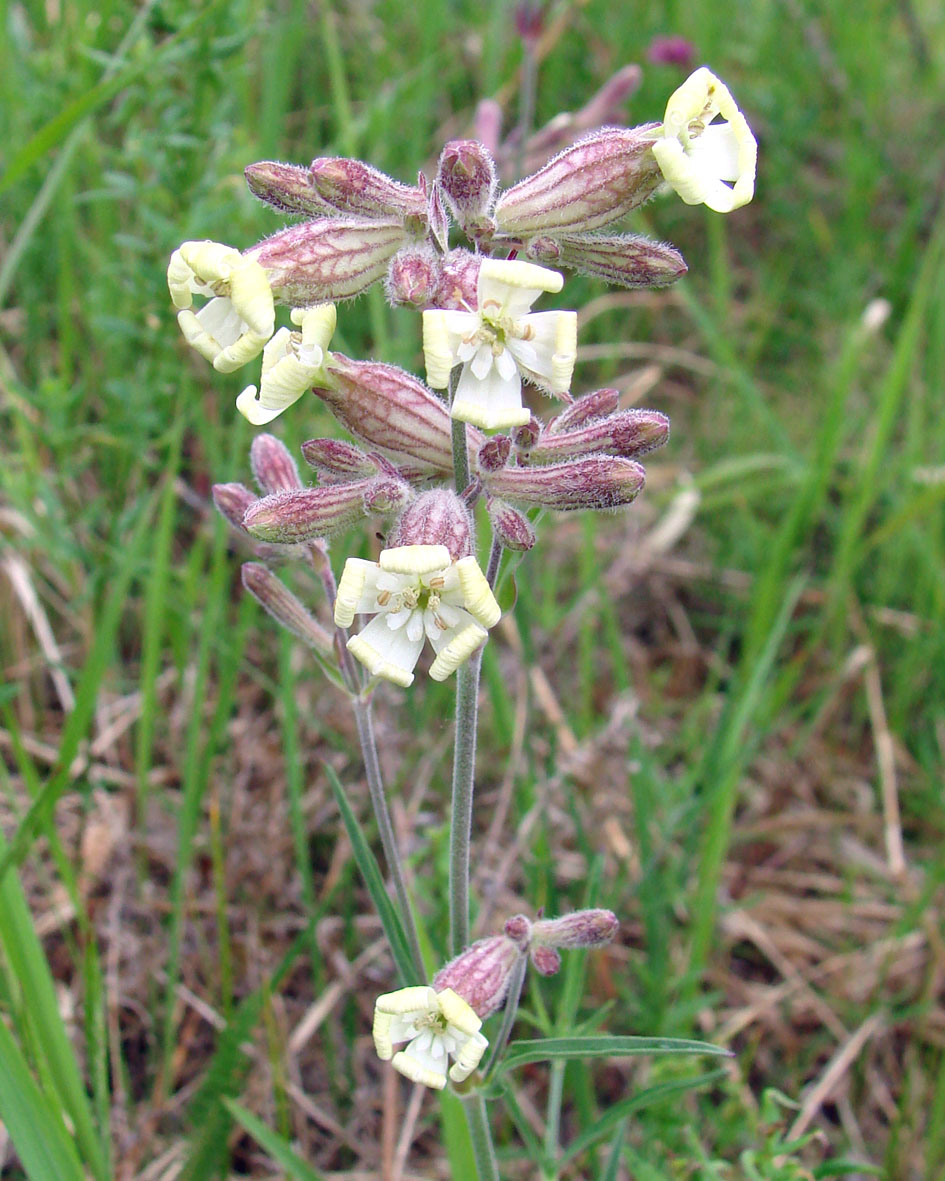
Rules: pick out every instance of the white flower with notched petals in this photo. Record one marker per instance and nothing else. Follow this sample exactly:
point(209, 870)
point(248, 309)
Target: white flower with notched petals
point(499, 343)
point(415, 593)
point(239, 317)
point(291, 364)
point(698, 156)
point(437, 1026)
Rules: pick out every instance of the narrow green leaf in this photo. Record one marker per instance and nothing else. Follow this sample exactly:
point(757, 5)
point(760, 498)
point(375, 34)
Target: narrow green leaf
point(455, 1136)
point(548, 1048)
point(374, 880)
point(37, 1132)
point(279, 1149)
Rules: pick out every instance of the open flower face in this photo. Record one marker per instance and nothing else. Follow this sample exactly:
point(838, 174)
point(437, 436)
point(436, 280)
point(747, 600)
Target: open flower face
point(499, 343)
point(239, 317)
point(291, 364)
point(437, 1026)
point(415, 593)
point(698, 156)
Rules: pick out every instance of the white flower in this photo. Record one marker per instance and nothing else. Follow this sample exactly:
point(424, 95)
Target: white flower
point(436, 1026)
point(240, 316)
point(500, 343)
point(291, 364)
point(698, 156)
point(415, 592)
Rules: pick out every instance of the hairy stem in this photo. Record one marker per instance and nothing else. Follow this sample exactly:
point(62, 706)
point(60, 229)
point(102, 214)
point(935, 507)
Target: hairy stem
point(372, 767)
point(464, 773)
point(481, 1135)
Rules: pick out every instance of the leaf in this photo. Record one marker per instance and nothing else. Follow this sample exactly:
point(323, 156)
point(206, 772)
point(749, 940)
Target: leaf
point(278, 1148)
point(549, 1048)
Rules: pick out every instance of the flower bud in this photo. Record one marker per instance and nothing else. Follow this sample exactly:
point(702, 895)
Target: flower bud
point(671, 51)
point(438, 517)
point(583, 928)
point(413, 277)
point(595, 181)
point(355, 188)
point(337, 462)
point(232, 501)
point(439, 220)
point(328, 259)
point(467, 178)
point(459, 278)
point(482, 973)
point(545, 960)
point(512, 528)
point(273, 596)
point(626, 260)
point(389, 408)
point(593, 405)
point(274, 468)
point(310, 513)
point(526, 436)
point(594, 482)
point(629, 433)
point(288, 187)
point(519, 928)
point(494, 453)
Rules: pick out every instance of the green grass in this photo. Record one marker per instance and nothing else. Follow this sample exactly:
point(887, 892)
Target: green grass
point(815, 445)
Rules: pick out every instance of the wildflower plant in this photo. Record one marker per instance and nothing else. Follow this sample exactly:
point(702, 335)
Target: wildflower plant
point(454, 497)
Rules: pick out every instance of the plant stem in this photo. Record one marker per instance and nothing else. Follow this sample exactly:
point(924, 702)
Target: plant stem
point(372, 768)
point(481, 1134)
point(460, 455)
point(509, 1014)
point(464, 771)
point(527, 89)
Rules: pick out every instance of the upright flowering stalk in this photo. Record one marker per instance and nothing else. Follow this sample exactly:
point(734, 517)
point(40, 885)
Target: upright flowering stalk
point(500, 342)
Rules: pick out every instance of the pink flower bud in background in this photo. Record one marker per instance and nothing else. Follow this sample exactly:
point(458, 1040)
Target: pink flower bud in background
point(594, 482)
point(274, 468)
point(545, 960)
point(459, 278)
point(482, 973)
point(413, 277)
point(494, 453)
point(583, 928)
point(232, 501)
point(310, 513)
point(389, 408)
point(519, 928)
point(629, 433)
point(511, 527)
point(593, 405)
point(437, 517)
point(671, 51)
point(597, 180)
point(353, 187)
point(273, 596)
point(488, 123)
point(337, 462)
point(467, 178)
point(287, 187)
point(331, 258)
point(625, 260)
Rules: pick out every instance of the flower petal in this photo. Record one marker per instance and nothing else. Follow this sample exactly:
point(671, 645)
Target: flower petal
point(357, 590)
point(386, 653)
point(478, 598)
point(492, 403)
point(415, 559)
point(455, 647)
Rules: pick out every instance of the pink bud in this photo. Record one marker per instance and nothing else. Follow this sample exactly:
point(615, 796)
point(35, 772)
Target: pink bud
point(671, 51)
point(626, 260)
point(494, 453)
point(467, 178)
point(310, 513)
point(232, 501)
point(630, 433)
point(352, 187)
point(330, 258)
point(288, 187)
point(583, 928)
point(595, 181)
point(519, 928)
point(413, 277)
point(438, 517)
point(273, 595)
point(526, 436)
point(593, 405)
point(545, 960)
point(336, 461)
point(388, 408)
point(593, 482)
point(482, 973)
point(274, 468)
point(459, 276)
point(511, 527)
point(439, 219)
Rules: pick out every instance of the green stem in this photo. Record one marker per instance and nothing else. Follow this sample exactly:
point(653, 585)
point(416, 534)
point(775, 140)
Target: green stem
point(372, 768)
point(509, 1013)
point(460, 451)
point(481, 1134)
point(464, 770)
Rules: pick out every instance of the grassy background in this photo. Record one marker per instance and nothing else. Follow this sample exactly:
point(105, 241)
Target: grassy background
point(702, 716)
